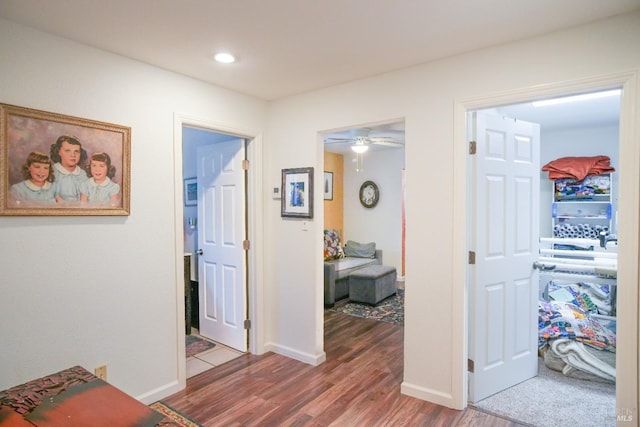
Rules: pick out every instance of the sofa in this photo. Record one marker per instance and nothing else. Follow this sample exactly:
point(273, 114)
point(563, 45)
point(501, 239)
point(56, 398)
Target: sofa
point(341, 261)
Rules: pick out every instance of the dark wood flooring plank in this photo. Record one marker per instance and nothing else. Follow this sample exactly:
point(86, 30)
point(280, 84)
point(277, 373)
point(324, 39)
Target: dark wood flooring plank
point(358, 385)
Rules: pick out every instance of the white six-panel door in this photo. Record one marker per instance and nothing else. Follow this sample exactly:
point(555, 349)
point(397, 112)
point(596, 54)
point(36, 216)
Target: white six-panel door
point(503, 284)
point(221, 231)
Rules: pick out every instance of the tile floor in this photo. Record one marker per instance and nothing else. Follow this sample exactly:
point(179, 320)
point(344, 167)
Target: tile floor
point(210, 359)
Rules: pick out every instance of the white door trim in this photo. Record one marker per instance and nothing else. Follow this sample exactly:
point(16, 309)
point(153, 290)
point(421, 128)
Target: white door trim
point(255, 214)
point(629, 206)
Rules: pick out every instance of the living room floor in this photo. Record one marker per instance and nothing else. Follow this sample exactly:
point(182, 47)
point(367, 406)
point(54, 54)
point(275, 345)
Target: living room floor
point(210, 358)
point(219, 354)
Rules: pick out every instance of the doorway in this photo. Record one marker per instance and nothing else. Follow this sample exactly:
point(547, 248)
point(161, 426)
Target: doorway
point(352, 156)
point(626, 178)
point(383, 162)
point(187, 218)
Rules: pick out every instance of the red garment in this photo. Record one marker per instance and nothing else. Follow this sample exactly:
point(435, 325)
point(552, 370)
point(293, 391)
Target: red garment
point(578, 168)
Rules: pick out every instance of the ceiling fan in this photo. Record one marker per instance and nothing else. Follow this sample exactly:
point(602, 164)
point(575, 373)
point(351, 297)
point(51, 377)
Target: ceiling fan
point(361, 139)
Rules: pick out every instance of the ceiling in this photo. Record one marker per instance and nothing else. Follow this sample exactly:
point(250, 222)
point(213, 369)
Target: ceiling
point(575, 115)
point(580, 114)
point(393, 131)
point(287, 47)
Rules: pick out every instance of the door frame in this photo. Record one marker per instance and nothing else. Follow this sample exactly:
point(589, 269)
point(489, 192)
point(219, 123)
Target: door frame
point(628, 208)
point(254, 215)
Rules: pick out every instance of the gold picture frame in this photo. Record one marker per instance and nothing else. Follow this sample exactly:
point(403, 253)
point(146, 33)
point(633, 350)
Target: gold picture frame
point(88, 164)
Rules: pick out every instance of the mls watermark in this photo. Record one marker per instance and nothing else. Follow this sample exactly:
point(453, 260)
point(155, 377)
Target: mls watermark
point(624, 415)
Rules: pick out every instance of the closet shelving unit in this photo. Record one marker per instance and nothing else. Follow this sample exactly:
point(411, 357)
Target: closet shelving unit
point(581, 210)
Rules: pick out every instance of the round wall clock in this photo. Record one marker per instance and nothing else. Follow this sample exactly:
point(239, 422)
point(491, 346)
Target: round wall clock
point(369, 194)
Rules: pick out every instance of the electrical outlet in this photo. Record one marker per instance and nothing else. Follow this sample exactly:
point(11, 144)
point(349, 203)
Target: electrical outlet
point(101, 372)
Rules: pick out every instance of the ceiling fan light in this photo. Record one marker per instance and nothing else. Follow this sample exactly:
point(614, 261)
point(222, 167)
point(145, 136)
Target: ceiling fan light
point(359, 148)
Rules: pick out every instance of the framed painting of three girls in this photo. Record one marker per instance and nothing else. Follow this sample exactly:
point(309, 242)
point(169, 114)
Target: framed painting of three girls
point(53, 164)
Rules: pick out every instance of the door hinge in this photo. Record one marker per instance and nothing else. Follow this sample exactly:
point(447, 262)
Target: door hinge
point(247, 324)
point(245, 165)
point(472, 147)
point(470, 365)
point(246, 245)
point(472, 257)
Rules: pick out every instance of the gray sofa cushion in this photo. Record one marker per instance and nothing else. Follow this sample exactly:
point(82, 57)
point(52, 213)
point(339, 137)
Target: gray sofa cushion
point(345, 266)
point(360, 250)
point(346, 263)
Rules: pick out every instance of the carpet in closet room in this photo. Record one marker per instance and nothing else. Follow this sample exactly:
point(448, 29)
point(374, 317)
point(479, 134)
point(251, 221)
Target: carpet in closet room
point(552, 399)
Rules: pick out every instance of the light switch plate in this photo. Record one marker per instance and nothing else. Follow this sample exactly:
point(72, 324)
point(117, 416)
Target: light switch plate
point(275, 193)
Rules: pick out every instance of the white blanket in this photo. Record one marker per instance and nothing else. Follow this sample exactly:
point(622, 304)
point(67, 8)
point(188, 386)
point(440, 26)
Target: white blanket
point(575, 356)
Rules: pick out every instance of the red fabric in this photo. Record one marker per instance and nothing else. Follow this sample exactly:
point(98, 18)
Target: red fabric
point(578, 168)
point(95, 404)
point(10, 418)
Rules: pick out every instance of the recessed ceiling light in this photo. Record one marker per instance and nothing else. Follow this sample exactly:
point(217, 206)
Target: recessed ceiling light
point(225, 58)
point(583, 97)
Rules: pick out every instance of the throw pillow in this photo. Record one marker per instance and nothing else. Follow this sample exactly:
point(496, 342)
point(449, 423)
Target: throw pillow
point(332, 246)
point(360, 250)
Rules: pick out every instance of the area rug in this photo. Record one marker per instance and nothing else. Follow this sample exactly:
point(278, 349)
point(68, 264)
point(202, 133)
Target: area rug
point(175, 416)
point(388, 310)
point(195, 345)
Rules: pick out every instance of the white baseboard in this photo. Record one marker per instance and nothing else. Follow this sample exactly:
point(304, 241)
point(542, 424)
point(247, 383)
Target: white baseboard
point(429, 395)
point(310, 359)
point(160, 392)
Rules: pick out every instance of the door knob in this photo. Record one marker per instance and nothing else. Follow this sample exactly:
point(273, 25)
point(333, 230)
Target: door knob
point(199, 252)
point(543, 267)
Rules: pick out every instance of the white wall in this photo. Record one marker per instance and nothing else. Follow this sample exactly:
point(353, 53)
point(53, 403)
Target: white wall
point(102, 290)
point(381, 224)
point(192, 138)
point(123, 313)
point(425, 97)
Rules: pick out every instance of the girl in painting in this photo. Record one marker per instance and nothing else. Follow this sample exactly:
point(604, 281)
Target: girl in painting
point(68, 155)
point(38, 180)
point(99, 188)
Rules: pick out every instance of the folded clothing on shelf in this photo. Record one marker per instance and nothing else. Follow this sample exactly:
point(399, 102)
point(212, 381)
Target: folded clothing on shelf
point(578, 167)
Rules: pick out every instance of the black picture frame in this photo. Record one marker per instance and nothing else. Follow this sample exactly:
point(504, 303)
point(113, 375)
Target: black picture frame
point(297, 193)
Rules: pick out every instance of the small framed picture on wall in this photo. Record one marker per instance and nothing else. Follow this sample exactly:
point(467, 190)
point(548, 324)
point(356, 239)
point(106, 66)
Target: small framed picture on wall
point(190, 191)
point(328, 185)
point(297, 193)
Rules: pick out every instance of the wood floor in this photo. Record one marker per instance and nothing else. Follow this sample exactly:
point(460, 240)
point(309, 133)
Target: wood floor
point(358, 385)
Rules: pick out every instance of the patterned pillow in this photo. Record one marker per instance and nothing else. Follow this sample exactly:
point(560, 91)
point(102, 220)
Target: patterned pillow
point(332, 247)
